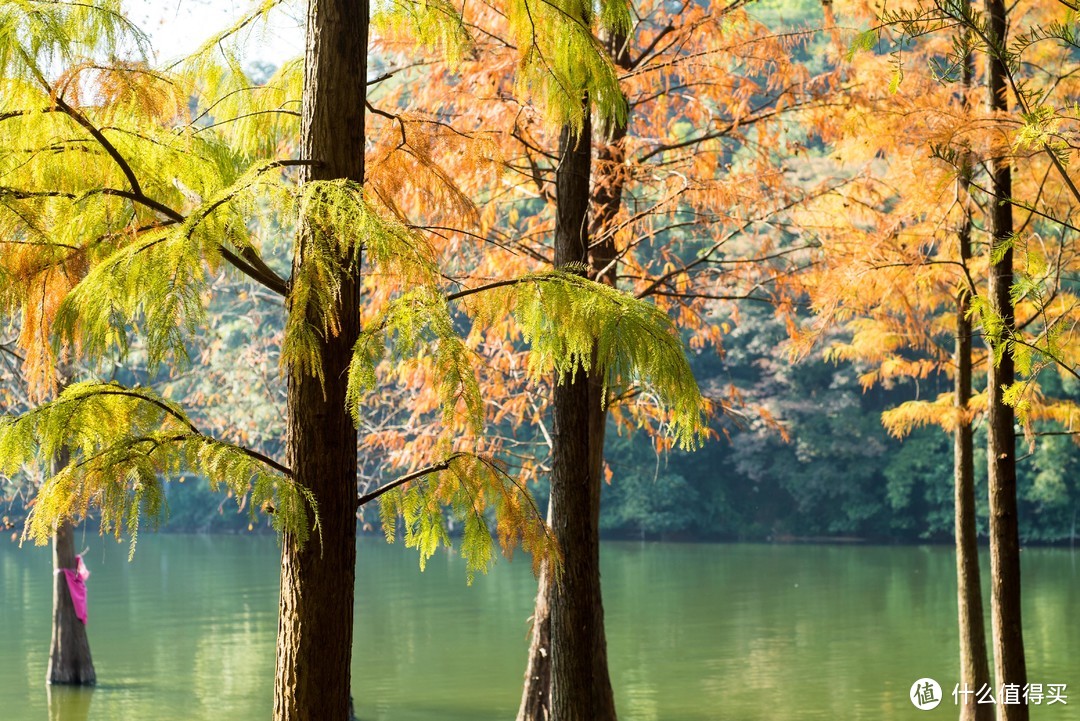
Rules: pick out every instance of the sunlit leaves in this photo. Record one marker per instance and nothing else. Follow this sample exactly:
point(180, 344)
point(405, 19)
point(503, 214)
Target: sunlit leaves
point(135, 186)
point(338, 225)
point(560, 61)
point(103, 445)
point(431, 22)
point(470, 490)
point(419, 322)
point(863, 42)
point(36, 33)
point(573, 324)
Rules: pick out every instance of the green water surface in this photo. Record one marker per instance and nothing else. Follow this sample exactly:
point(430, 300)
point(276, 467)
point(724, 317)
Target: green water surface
point(697, 632)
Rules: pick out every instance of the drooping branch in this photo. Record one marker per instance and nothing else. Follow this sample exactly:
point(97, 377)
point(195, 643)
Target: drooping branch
point(434, 468)
point(195, 431)
point(253, 267)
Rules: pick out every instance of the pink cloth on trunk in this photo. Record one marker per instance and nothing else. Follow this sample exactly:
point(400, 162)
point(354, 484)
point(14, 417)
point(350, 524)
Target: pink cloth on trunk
point(76, 583)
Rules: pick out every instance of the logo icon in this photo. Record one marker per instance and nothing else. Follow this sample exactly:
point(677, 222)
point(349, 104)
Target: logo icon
point(925, 694)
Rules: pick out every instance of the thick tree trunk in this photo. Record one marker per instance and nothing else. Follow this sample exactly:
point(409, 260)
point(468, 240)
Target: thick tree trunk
point(1009, 665)
point(69, 656)
point(974, 669)
point(580, 686)
point(315, 624)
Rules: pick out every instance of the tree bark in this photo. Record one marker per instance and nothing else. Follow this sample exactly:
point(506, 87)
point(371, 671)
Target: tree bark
point(536, 694)
point(609, 178)
point(1009, 665)
point(580, 686)
point(314, 648)
point(574, 244)
point(70, 661)
point(974, 668)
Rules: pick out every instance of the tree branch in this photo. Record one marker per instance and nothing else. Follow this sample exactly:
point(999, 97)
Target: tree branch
point(435, 468)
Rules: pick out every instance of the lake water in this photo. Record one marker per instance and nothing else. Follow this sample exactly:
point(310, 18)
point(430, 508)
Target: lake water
point(696, 632)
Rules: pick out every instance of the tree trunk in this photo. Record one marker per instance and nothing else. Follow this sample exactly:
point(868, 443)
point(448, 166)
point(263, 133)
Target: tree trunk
point(609, 178)
point(314, 647)
point(69, 656)
point(536, 694)
point(580, 687)
point(608, 183)
point(974, 669)
point(1009, 666)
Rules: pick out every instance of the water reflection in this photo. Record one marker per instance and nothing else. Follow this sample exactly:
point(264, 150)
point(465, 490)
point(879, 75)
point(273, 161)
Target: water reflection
point(68, 703)
point(696, 632)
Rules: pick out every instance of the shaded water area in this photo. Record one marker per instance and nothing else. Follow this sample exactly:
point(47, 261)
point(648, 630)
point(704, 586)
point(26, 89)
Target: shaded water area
point(697, 632)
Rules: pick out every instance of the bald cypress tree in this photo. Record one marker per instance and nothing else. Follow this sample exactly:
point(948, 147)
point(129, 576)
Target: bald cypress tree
point(1005, 611)
point(151, 203)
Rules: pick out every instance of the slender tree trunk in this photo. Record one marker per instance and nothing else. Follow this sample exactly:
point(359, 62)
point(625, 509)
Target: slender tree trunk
point(536, 694)
point(69, 656)
point(1009, 666)
point(573, 244)
point(315, 623)
point(609, 178)
point(580, 687)
point(974, 669)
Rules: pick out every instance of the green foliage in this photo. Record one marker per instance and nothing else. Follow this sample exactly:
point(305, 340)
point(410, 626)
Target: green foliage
point(158, 282)
point(573, 323)
point(993, 325)
point(655, 495)
point(411, 322)
point(863, 42)
point(470, 488)
point(434, 23)
point(105, 445)
point(336, 224)
point(138, 185)
point(1038, 131)
point(919, 486)
point(561, 63)
point(35, 33)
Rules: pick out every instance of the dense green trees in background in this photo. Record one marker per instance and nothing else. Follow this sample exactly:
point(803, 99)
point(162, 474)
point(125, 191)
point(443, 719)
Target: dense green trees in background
point(838, 474)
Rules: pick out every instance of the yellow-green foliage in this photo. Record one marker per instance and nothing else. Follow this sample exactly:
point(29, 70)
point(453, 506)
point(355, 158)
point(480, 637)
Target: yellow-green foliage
point(469, 487)
point(574, 323)
point(435, 23)
point(253, 120)
point(111, 447)
point(560, 61)
point(35, 33)
point(157, 282)
point(338, 223)
point(415, 320)
point(571, 324)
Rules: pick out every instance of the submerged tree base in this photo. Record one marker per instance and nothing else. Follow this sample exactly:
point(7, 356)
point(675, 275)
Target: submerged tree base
point(70, 662)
